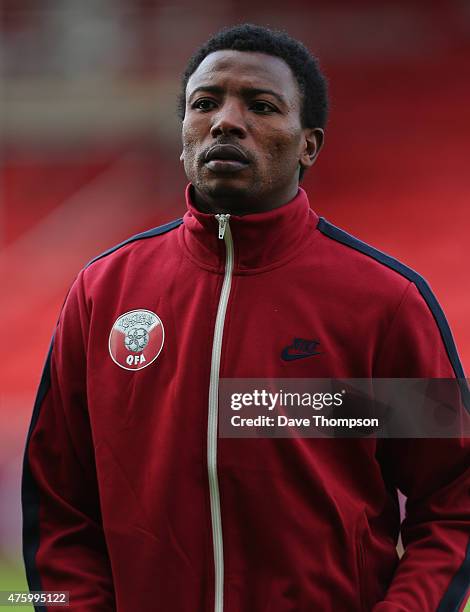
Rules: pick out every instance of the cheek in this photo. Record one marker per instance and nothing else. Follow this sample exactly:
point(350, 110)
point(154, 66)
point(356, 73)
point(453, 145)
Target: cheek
point(191, 139)
point(187, 137)
point(282, 147)
point(191, 135)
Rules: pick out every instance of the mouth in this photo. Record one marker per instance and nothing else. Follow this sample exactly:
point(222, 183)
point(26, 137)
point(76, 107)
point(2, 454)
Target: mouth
point(225, 158)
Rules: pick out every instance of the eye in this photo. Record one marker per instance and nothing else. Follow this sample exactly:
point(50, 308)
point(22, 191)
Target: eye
point(263, 108)
point(204, 104)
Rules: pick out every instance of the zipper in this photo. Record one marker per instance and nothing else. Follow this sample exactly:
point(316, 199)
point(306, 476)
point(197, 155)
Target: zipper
point(213, 409)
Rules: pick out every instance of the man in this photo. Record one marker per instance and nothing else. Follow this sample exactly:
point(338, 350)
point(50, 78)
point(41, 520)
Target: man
point(131, 500)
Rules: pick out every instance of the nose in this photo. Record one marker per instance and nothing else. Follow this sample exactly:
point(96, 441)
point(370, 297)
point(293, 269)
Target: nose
point(229, 121)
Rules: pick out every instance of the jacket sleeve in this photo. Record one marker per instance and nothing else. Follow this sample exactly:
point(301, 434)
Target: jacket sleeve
point(434, 474)
point(64, 546)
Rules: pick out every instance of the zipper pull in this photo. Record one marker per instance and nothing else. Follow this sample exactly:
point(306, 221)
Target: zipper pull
point(223, 221)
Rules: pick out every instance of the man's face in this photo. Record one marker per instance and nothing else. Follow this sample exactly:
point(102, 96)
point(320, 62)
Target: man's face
point(242, 135)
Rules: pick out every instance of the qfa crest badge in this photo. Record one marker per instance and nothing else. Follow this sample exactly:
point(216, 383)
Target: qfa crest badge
point(136, 339)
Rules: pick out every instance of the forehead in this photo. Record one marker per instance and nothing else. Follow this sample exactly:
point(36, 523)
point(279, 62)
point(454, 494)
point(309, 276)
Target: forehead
point(241, 69)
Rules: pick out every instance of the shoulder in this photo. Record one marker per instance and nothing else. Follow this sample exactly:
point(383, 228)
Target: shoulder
point(383, 278)
point(364, 268)
point(129, 244)
point(139, 256)
point(133, 251)
point(370, 259)
point(368, 281)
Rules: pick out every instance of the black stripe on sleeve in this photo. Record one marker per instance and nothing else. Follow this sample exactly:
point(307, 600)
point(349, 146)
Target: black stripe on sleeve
point(458, 588)
point(30, 493)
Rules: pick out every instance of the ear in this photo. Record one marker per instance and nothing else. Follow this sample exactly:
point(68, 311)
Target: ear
point(312, 144)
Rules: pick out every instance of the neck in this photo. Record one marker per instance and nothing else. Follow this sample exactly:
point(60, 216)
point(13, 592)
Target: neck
point(240, 204)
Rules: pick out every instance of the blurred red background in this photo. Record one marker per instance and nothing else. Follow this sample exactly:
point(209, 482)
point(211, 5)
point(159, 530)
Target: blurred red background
point(91, 141)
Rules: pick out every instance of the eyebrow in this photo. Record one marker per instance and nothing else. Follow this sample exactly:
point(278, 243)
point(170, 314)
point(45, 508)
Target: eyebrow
point(245, 91)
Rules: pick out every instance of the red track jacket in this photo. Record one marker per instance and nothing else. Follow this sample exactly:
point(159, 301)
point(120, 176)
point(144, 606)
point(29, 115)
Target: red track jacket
point(132, 502)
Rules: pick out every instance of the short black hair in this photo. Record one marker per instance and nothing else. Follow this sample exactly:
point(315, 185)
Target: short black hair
point(305, 67)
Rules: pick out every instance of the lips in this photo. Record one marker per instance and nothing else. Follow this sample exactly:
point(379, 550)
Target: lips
point(226, 153)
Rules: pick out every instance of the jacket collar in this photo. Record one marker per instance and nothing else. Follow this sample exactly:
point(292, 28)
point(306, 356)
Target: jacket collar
point(261, 240)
